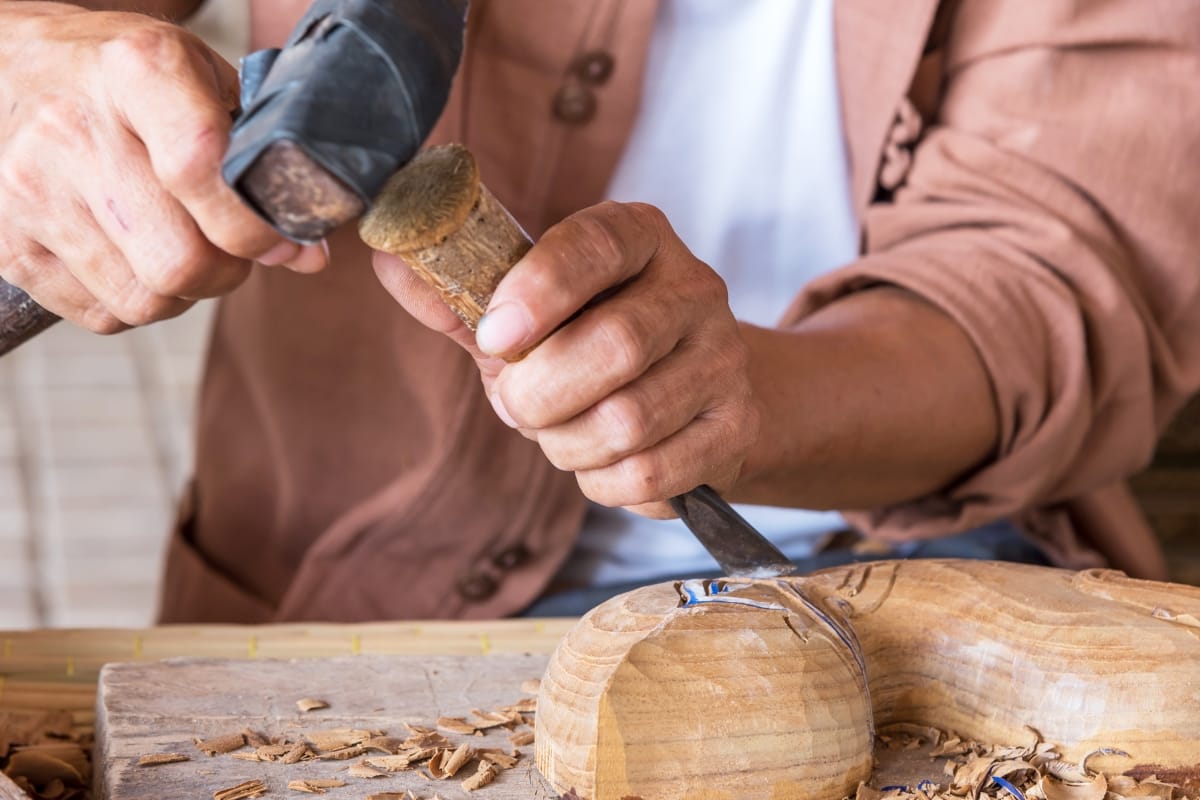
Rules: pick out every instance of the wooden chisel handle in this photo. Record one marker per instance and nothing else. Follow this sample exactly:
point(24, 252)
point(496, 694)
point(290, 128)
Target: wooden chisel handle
point(439, 217)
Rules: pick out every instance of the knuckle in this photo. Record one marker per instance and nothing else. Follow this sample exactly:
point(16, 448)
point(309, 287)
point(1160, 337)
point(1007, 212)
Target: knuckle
point(652, 217)
point(625, 422)
point(597, 243)
point(140, 307)
point(194, 158)
point(98, 319)
point(710, 286)
point(622, 345)
point(60, 121)
point(148, 48)
point(21, 183)
point(179, 270)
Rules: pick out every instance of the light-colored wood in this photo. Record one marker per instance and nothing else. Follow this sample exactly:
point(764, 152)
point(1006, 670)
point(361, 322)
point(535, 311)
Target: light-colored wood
point(52, 670)
point(161, 707)
point(438, 217)
point(758, 691)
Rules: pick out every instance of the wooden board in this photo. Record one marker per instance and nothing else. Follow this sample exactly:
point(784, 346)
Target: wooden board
point(161, 707)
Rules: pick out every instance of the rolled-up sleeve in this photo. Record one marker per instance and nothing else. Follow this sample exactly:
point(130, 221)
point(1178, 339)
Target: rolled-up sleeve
point(1053, 210)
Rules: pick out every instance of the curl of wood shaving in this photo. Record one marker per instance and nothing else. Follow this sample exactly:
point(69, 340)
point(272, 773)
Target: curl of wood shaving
point(219, 745)
point(1037, 771)
point(338, 739)
point(315, 785)
point(306, 704)
point(157, 759)
point(446, 762)
point(244, 790)
point(484, 774)
point(363, 770)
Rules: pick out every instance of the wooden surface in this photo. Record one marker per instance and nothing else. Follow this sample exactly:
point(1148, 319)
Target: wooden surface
point(771, 687)
point(51, 670)
point(160, 708)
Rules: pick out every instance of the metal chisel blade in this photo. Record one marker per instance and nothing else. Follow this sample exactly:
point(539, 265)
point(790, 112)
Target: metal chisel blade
point(739, 549)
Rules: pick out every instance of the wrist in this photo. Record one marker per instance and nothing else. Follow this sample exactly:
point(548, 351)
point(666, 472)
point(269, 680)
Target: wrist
point(875, 399)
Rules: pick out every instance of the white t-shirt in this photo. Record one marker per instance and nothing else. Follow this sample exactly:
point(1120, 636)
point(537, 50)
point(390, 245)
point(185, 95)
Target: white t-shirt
point(740, 143)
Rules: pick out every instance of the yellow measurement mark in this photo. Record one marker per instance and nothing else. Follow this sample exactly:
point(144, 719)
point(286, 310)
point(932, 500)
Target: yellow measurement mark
point(539, 627)
point(356, 644)
point(137, 647)
point(71, 667)
point(485, 643)
point(252, 647)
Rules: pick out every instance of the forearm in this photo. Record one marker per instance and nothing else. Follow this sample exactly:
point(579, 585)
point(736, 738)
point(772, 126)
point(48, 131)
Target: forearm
point(876, 399)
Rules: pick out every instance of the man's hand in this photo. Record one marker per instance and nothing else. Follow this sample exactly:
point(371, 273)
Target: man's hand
point(112, 129)
point(639, 382)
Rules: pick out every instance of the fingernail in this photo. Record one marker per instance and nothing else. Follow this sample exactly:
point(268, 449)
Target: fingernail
point(284, 251)
point(311, 258)
point(503, 329)
point(501, 411)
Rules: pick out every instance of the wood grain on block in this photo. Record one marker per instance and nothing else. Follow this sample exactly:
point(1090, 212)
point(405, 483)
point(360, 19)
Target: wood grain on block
point(162, 707)
point(773, 687)
point(438, 217)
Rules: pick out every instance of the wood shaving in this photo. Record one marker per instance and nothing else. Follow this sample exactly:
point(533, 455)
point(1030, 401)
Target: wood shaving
point(394, 763)
point(339, 738)
point(255, 739)
point(457, 725)
point(1036, 771)
point(157, 759)
point(315, 785)
point(484, 774)
point(307, 704)
point(446, 762)
point(499, 757)
point(521, 738)
point(41, 753)
point(424, 737)
point(253, 788)
point(345, 753)
point(500, 718)
point(296, 754)
point(41, 768)
point(531, 686)
point(219, 745)
point(363, 770)
point(385, 744)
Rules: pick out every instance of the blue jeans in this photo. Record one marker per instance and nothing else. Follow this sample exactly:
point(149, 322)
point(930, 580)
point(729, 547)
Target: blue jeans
point(998, 541)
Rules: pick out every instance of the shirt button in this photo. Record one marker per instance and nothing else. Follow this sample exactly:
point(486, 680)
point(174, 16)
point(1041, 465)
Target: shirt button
point(477, 587)
point(594, 68)
point(511, 557)
point(574, 104)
